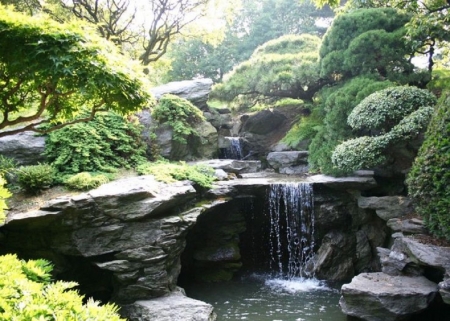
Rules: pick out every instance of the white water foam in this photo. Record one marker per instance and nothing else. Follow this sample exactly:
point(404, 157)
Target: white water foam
point(295, 285)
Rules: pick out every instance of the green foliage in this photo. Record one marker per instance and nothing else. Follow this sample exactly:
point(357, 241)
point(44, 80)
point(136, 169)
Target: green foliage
point(333, 106)
point(4, 194)
point(275, 70)
point(440, 80)
point(180, 114)
point(35, 178)
point(384, 109)
point(50, 71)
point(7, 167)
point(289, 102)
point(26, 293)
point(106, 143)
point(306, 128)
point(256, 22)
point(368, 41)
point(393, 115)
point(170, 172)
point(85, 181)
point(429, 178)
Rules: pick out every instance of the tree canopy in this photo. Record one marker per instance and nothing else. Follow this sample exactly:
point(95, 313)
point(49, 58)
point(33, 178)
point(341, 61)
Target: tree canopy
point(284, 67)
point(49, 72)
point(255, 23)
point(367, 41)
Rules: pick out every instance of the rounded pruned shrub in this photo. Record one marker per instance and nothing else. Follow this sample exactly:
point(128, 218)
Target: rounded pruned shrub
point(384, 109)
point(429, 179)
point(35, 178)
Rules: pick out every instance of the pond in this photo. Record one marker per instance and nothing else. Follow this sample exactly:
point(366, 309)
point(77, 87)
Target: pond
point(258, 297)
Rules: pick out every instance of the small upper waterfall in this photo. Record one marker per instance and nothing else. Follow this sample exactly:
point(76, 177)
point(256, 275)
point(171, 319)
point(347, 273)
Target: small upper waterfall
point(291, 214)
point(234, 151)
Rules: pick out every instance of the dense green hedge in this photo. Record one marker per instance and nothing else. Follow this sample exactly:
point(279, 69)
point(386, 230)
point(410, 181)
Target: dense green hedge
point(429, 178)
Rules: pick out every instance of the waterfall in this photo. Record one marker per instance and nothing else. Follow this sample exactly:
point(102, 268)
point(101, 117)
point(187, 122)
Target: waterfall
point(234, 151)
point(291, 214)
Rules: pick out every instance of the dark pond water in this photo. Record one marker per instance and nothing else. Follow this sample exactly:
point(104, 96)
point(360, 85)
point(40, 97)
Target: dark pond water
point(260, 298)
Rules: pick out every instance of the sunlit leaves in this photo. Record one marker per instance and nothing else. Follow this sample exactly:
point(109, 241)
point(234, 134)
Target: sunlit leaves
point(59, 68)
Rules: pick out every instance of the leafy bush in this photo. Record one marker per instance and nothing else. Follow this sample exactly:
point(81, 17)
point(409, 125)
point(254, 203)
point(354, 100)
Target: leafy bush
point(85, 181)
point(429, 178)
point(170, 172)
point(103, 144)
point(26, 293)
point(35, 178)
point(7, 165)
point(394, 115)
point(333, 106)
point(305, 128)
point(385, 108)
point(179, 114)
point(4, 194)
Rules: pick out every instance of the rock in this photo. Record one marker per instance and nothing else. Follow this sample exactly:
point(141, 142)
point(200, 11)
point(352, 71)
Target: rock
point(203, 146)
point(398, 263)
point(381, 297)
point(263, 122)
point(293, 162)
point(444, 290)
point(206, 148)
point(172, 307)
point(407, 226)
point(196, 90)
point(334, 259)
point(387, 207)
point(233, 166)
point(280, 147)
point(131, 228)
point(343, 183)
point(425, 255)
point(25, 148)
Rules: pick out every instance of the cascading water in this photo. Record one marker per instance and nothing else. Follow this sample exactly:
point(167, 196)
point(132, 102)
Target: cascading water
point(291, 214)
point(279, 239)
point(234, 151)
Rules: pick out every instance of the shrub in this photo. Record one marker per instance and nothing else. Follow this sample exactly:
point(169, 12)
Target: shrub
point(26, 293)
point(4, 194)
point(170, 172)
point(429, 178)
point(333, 106)
point(395, 115)
point(179, 114)
point(35, 178)
point(85, 181)
point(103, 144)
point(7, 165)
point(385, 108)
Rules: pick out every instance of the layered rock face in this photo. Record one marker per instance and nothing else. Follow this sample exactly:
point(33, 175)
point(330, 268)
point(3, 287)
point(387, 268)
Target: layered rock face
point(414, 275)
point(131, 229)
point(125, 240)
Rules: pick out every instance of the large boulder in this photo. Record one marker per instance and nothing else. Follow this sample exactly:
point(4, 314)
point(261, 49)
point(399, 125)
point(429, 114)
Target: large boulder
point(382, 297)
point(26, 147)
point(203, 146)
point(196, 90)
point(172, 307)
point(290, 162)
